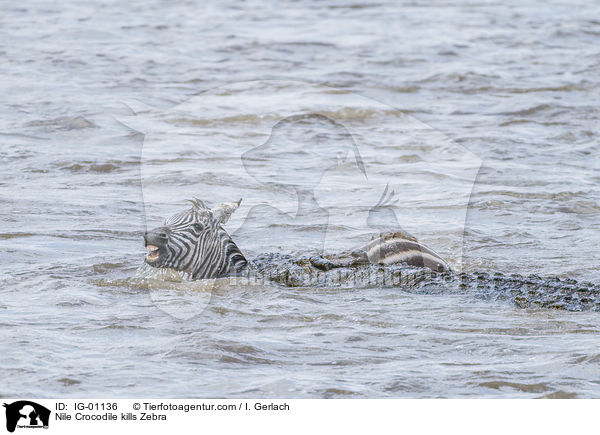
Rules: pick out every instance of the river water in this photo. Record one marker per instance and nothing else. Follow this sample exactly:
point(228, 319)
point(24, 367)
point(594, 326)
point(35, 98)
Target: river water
point(481, 117)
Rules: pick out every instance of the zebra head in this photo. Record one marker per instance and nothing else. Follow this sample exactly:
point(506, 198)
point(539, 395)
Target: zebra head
point(194, 241)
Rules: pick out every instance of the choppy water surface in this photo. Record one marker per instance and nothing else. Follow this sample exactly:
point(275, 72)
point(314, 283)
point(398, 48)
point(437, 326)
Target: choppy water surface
point(440, 102)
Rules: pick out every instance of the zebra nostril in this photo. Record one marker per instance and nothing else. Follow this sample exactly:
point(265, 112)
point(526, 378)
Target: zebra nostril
point(162, 235)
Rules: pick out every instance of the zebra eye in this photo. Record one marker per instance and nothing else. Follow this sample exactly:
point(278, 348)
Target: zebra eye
point(197, 227)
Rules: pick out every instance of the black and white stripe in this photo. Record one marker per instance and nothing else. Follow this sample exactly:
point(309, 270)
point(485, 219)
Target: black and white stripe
point(195, 242)
point(398, 247)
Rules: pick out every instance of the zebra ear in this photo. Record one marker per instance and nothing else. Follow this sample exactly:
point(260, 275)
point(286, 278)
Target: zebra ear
point(223, 212)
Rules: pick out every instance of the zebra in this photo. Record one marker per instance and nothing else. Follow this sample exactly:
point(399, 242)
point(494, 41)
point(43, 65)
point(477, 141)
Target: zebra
point(194, 241)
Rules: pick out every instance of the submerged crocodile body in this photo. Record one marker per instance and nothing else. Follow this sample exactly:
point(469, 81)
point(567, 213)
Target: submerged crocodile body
point(524, 291)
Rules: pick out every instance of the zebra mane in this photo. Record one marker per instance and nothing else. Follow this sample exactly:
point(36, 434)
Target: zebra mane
point(198, 204)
